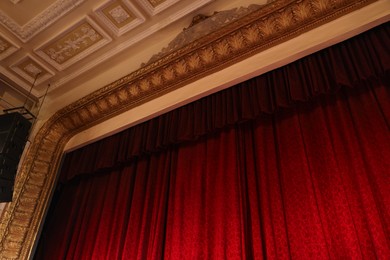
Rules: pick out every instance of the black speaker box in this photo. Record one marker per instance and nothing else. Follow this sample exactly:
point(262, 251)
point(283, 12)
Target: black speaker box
point(14, 130)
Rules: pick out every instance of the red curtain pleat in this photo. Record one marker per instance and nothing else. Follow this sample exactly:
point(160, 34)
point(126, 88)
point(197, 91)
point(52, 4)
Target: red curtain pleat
point(287, 172)
point(351, 63)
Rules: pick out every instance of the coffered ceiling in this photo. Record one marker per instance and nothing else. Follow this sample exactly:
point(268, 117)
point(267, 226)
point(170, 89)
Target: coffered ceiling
point(71, 48)
point(60, 44)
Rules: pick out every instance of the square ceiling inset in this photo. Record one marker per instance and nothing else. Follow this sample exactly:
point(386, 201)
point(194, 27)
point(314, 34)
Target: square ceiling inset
point(119, 16)
point(70, 46)
point(32, 70)
point(7, 47)
point(36, 17)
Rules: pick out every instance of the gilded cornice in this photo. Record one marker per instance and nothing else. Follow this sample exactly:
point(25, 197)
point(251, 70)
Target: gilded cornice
point(270, 25)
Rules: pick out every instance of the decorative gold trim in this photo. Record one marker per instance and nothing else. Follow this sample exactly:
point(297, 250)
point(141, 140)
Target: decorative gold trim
point(266, 27)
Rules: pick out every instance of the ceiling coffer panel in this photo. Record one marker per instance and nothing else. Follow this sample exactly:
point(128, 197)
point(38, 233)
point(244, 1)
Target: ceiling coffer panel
point(154, 7)
point(30, 69)
point(7, 47)
point(120, 16)
point(73, 44)
point(41, 21)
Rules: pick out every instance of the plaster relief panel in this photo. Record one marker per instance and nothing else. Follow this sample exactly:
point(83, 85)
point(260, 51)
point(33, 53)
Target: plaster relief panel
point(72, 45)
point(120, 16)
point(6, 47)
point(32, 70)
point(39, 20)
point(153, 7)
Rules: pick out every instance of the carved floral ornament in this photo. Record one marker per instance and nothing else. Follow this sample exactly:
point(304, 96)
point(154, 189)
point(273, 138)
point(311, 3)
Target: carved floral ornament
point(272, 24)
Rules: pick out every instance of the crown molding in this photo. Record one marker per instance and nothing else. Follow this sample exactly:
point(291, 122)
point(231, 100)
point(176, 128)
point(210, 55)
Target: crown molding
point(275, 23)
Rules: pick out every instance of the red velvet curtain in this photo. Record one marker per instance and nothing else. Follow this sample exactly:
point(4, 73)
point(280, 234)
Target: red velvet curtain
point(291, 164)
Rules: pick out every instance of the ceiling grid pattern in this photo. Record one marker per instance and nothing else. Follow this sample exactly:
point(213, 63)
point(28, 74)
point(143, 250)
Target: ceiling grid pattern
point(103, 31)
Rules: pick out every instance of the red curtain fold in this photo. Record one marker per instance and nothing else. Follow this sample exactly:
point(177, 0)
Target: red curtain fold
point(310, 181)
point(363, 58)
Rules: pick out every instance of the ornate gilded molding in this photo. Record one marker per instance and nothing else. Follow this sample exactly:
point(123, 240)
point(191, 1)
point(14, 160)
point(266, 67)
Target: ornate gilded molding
point(257, 31)
point(203, 25)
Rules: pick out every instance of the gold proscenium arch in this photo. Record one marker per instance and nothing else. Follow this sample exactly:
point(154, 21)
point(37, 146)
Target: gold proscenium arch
point(268, 26)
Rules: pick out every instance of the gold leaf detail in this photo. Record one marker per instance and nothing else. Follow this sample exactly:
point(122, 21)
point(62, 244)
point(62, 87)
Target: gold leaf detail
point(222, 48)
point(21, 222)
point(113, 100)
point(22, 217)
point(122, 95)
point(320, 5)
point(252, 34)
point(144, 84)
point(41, 166)
point(102, 104)
point(45, 155)
point(194, 61)
point(36, 178)
point(207, 55)
point(156, 79)
point(134, 90)
point(12, 249)
point(302, 11)
point(237, 41)
point(285, 19)
point(267, 27)
point(84, 114)
point(169, 74)
point(93, 109)
point(67, 123)
point(181, 67)
point(28, 202)
point(76, 119)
